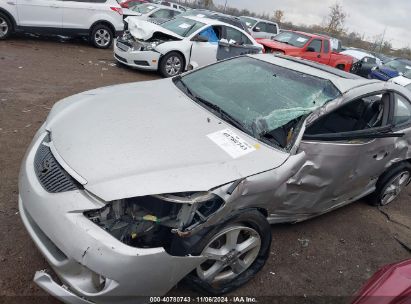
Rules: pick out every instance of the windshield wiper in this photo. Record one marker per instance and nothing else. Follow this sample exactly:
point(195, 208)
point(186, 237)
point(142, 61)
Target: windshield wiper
point(223, 114)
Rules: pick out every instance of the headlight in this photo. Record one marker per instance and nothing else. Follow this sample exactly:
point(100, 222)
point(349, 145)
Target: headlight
point(150, 221)
point(149, 46)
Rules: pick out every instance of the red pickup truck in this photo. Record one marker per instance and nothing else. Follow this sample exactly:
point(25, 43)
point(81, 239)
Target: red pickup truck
point(308, 46)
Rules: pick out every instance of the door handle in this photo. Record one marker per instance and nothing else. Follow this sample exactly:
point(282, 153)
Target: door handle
point(318, 56)
point(380, 155)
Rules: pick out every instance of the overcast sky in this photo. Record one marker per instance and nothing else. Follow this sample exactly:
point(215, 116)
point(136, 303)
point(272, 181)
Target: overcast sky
point(369, 17)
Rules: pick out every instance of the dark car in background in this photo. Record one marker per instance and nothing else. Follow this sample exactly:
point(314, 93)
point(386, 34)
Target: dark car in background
point(391, 69)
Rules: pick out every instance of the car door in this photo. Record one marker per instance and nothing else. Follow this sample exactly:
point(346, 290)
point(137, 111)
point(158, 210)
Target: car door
point(313, 50)
point(40, 14)
point(204, 46)
point(78, 13)
point(343, 160)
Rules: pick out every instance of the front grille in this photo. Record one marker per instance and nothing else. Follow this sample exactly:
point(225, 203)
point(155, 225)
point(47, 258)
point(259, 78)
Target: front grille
point(51, 175)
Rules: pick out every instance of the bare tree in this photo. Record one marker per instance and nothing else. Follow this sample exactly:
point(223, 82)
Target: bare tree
point(278, 16)
point(336, 19)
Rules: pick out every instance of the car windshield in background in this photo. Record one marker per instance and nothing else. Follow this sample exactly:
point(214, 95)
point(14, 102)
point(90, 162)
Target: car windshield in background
point(249, 22)
point(183, 26)
point(294, 39)
point(407, 74)
point(144, 8)
point(401, 66)
point(256, 93)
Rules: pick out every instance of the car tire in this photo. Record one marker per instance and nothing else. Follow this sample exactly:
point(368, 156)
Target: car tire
point(6, 26)
point(390, 184)
point(101, 36)
point(238, 266)
point(171, 64)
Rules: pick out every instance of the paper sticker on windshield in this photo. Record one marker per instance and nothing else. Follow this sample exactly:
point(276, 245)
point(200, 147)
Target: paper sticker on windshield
point(301, 39)
point(150, 7)
point(408, 67)
point(231, 143)
point(201, 15)
point(184, 25)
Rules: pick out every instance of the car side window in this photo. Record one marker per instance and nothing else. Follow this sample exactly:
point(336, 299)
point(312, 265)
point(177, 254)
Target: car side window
point(237, 36)
point(326, 46)
point(402, 112)
point(316, 45)
point(262, 26)
point(359, 114)
point(272, 28)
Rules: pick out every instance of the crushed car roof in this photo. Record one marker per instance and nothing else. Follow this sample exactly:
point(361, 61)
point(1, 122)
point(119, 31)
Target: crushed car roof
point(342, 80)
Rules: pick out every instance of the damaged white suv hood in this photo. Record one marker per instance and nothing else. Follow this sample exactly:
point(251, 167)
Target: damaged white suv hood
point(150, 138)
point(144, 30)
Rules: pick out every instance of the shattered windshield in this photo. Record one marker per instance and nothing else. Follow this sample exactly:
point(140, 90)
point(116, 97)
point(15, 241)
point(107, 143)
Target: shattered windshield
point(257, 96)
point(144, 8)
point(182, 26)
point(291, 38)
point(249, 22)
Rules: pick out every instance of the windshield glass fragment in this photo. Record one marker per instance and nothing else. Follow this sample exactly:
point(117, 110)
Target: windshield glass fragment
point(260, 96)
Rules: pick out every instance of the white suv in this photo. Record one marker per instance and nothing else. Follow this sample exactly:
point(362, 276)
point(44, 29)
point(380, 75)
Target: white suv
point(100, 20)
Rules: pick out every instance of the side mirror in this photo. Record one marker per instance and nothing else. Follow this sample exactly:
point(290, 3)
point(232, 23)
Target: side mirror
point(311, 49)
point(200, 38)
point(256, 29)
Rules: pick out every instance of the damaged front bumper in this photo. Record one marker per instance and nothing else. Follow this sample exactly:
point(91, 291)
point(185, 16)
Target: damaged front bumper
point(92, 265)
point(144, 60)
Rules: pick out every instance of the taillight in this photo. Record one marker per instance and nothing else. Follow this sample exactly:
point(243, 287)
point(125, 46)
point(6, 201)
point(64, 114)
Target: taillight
point(117, 9)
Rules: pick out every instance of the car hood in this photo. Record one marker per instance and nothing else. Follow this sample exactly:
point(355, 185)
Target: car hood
point(144, 30)
point(277, 45)
point(150, 138)
point(388, 72)
point(401, 80)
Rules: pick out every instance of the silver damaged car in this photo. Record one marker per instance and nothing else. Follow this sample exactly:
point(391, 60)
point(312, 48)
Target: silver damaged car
point(127, 190)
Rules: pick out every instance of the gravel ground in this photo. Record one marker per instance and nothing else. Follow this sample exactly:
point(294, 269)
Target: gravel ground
point(330, 256)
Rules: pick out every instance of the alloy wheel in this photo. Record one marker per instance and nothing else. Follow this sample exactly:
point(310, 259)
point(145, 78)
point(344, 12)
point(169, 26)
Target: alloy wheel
point(229, 253)
point(102, 37)
point(394, 187)
point(4, 27)
point(173, 65)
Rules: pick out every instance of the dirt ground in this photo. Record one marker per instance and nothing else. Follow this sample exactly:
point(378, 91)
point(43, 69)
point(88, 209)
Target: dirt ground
point(330, 256)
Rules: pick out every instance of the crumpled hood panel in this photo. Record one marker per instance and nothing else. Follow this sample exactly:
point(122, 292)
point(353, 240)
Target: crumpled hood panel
point(144, 30)
point(148, 138)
